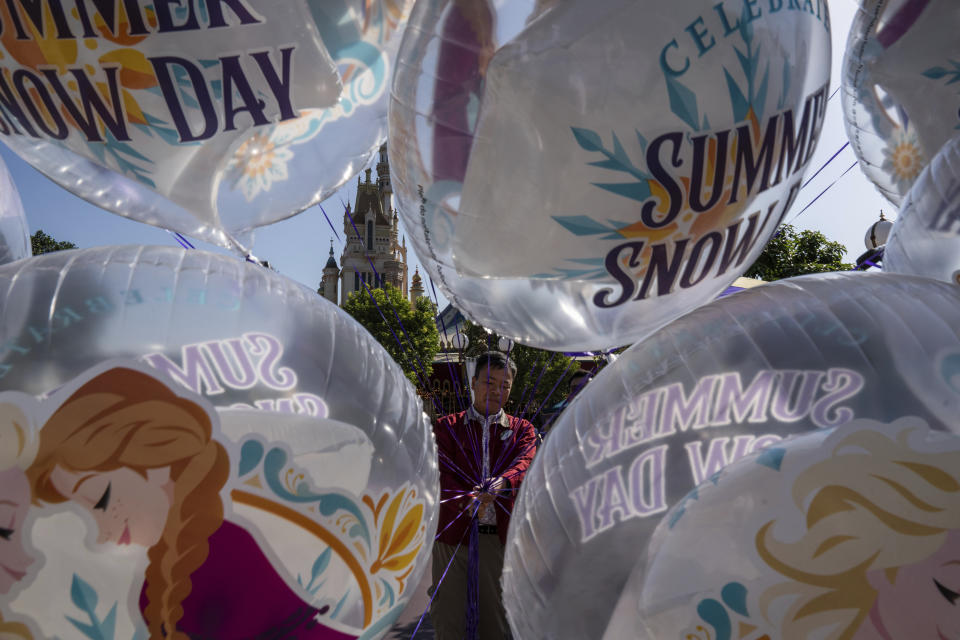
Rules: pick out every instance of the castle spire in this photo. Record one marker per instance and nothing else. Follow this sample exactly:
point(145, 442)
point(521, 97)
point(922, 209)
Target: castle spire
point(331, 261)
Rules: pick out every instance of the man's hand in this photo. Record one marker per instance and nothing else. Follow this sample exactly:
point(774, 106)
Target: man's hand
point(490, 489)
point(486, 493)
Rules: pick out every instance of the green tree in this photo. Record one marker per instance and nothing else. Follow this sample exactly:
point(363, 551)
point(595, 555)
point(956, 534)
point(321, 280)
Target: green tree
point(792, 253)
point(42, 243)
point(537, 371)
point(419, 336)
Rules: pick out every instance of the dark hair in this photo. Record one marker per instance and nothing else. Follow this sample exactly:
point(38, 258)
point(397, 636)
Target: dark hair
point(494, 360)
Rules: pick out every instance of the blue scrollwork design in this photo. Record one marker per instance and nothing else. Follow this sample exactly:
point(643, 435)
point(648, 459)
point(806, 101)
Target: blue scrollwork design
point(251, 452)
point(275, 462)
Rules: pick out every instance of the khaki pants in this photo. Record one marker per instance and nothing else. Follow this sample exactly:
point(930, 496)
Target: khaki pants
point(448, 611)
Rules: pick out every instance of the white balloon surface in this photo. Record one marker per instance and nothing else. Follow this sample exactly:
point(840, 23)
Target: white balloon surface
point(730, 378)
point(14, 231)
point(210, 119)
point(790, 542)
point(219, 414)
point(576, 174)
point(925, 239)
point(900, 99)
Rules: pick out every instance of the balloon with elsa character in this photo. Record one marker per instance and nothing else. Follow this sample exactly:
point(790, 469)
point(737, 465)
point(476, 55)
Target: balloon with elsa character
point(735, 378)
point(845, 534)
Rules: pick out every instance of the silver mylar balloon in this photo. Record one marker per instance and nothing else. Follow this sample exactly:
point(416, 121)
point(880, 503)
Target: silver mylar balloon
point(14, 231)
point(925, 239)
point(210, 119)
point(900, 102)
point(575, 174)
point(802, 540)
point(730, 378)
point(327, 492)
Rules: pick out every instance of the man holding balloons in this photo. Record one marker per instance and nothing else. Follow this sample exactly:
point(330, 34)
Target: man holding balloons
point(484, 455)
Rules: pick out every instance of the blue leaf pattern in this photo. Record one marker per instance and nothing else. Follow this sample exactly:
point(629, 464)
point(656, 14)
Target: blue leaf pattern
point(639, 191)
point(110, 622)
point(618, 152)
point(683, 102)
point(755, 96)
point(587, 139)
point(737, 100)
point(582, 225)
point(744, 62)
point(320, 564)
point(761, 97)
point(609, 163)
point(938, 73)
point(746, 27)
point(616, 160)
point(785, 90)
point(642, 141)
point(86, 629)
point(83, 595)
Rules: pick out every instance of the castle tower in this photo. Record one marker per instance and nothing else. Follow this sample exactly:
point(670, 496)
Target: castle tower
point(331, 278)
point(371, 231)
point(416, 289)
point(383, 181)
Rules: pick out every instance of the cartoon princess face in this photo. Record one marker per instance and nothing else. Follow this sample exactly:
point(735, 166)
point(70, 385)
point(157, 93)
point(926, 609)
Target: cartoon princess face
point(14, 502)
point(128, 507)
point(879, 554)
point(928, 589)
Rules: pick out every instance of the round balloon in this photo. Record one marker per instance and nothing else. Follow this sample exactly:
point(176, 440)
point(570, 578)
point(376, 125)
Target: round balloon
point(900, 102)
point(730, 378)
point(201, 465)
point(925, 239)
point(205, 118)
point(608, 165)
point(354, 130)
point(14, 231)
point(842, 533)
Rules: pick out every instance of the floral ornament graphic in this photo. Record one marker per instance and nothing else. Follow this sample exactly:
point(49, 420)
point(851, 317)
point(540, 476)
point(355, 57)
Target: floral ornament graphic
point(727, 617)
point(377, 539)
point(262, 160)
point(903, 159)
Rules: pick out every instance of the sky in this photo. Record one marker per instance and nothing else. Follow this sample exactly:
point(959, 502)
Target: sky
point(298, 247)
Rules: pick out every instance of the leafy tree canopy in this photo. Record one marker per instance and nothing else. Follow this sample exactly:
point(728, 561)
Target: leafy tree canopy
point(40, 242)
point(538, 372)
point(792, 253)
point(418, 336)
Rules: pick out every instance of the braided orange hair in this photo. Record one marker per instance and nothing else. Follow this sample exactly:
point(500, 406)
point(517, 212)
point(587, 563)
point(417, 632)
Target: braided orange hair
point(127, 418)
